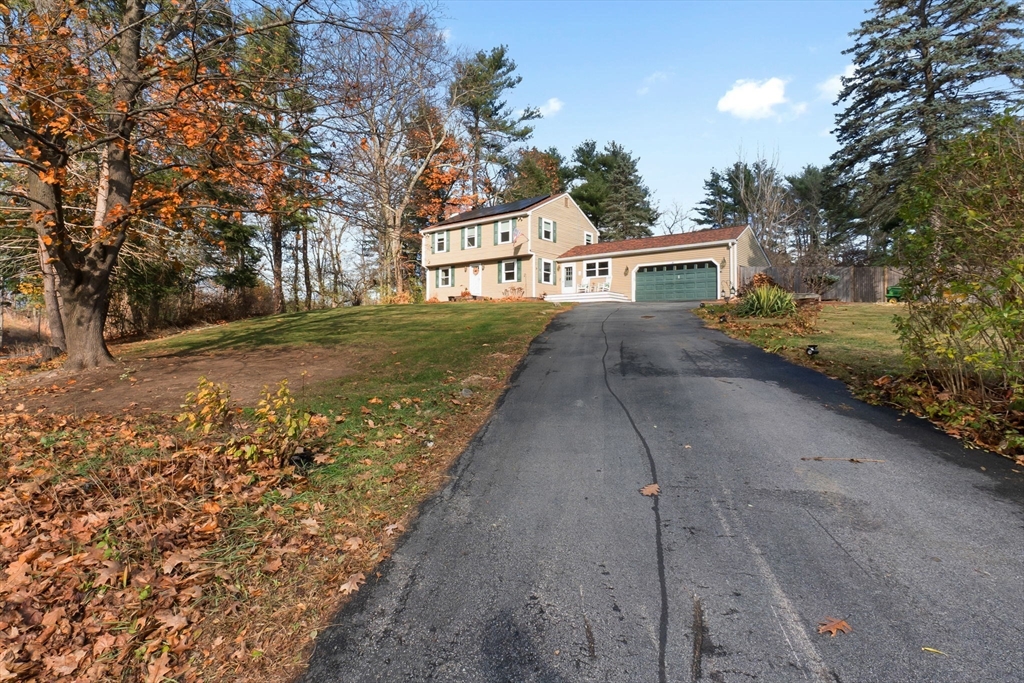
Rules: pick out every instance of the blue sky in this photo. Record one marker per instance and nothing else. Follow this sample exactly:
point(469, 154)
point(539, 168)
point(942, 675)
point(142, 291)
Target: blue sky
point(686, 86)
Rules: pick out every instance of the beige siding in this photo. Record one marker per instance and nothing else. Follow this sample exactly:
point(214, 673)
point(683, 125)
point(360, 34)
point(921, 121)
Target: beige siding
point(570, 226)
point(490, 286)
point(571, 223)
point(748, 253)
point(487, 250)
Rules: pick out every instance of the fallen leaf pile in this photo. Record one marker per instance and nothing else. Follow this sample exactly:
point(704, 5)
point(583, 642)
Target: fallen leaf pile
point(103, 549)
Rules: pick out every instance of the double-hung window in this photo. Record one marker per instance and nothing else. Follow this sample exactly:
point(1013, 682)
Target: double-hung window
point(588, 238)
point(509, 271)
point(547, 229)
point(596, 268)
point(444, 277)
point(471, 237)
point(503, 231)
point(546, 274)
point(441, 241)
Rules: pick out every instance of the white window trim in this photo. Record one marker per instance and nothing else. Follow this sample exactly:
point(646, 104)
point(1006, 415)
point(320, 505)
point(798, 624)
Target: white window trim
point(451, 277)
point(438, 238)
point(636, 269)
point(588, 238)
point(552, 278)
point(511, 230)
point(549, 225)
point(504, 272)
point(597, 268)
point(475, 232)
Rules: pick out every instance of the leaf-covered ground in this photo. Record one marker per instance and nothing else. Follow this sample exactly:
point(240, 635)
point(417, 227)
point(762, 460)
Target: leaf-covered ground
point(858, 344)
point(134, 550)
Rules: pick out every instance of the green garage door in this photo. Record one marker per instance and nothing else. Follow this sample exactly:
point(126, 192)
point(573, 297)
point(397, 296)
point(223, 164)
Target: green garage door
point(677, 282)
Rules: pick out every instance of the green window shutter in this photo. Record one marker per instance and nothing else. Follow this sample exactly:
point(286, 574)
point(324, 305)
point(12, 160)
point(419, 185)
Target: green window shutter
point(540, 227)
point(433, 243)
point(463, 245)
point(437, 278)
point(554, 231)
point(501, 269)
point(495, 233)
point(519, 271)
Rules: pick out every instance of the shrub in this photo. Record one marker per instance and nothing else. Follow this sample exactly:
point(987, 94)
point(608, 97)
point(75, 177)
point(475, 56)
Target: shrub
point(961, 248)
point(766, 302)
point(207, 407)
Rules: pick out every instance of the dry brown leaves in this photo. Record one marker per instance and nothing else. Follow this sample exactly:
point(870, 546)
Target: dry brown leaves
point(832, 626)
point(650, 490)
point(104, 549)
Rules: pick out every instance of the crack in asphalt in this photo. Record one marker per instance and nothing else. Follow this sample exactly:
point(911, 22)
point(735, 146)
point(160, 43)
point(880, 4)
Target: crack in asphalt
point(663, 620)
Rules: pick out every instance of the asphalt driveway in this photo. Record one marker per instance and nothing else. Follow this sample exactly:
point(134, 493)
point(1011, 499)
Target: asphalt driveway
point(541, 561)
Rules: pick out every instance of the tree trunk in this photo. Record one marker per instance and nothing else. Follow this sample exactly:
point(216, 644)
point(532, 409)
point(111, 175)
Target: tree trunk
point(85, 310)
point(295, 271)
point(51, 300)
point(277, 256)
point(305, 267)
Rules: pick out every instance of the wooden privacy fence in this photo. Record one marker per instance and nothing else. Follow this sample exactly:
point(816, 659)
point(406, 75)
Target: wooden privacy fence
point(856, 283)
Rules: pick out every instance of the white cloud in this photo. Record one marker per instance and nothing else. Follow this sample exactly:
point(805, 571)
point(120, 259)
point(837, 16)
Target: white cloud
point(656, 77)
point(831, 87)
point(551, 107)
point(754, 99)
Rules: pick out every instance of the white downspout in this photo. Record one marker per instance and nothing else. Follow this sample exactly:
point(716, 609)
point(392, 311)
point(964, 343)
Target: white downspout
point(733, 267)
point(423, 250)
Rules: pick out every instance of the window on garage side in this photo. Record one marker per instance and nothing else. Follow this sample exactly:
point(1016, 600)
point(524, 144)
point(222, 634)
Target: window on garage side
point(596, 268)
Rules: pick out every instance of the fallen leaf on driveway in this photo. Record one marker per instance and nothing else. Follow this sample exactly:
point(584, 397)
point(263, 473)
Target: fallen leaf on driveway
point(934, 651)
point(353, 583)
point(833, 626)
point(651, 490)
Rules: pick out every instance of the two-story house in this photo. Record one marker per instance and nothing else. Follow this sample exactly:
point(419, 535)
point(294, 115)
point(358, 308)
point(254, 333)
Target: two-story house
point(545, 247)
point(494, 251)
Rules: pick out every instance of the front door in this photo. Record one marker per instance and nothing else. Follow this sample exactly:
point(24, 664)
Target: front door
point(476, 280)
point(568, 279)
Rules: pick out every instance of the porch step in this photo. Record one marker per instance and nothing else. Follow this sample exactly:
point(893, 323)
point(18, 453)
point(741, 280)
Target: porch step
point(587, 297)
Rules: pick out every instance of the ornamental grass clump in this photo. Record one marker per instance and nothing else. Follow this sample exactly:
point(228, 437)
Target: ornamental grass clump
point(766, 302)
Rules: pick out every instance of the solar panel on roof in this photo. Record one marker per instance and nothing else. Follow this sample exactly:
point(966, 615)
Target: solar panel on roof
point(485, 211)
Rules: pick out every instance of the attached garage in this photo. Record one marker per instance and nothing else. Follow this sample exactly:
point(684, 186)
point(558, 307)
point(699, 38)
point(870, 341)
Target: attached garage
point(693, 266)
point(677, 282)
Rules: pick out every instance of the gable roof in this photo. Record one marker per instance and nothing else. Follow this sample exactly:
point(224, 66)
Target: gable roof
point(686, 239)
point(488, 211)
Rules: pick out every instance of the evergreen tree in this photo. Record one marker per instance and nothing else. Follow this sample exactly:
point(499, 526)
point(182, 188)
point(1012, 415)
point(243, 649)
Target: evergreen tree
point(492, 125)
point(628, 213)
point(611, 192)
point(926, 71)
point(723, 204)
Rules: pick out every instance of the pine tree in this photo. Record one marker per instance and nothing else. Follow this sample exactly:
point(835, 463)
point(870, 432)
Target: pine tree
point(723, 205)
point(628, 212)
point(491, 124)
point(926, 71)
point(612, 193)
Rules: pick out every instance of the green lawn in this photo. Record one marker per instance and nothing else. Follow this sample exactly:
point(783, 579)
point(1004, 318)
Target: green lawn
point(856, 342)
point(268, 552)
